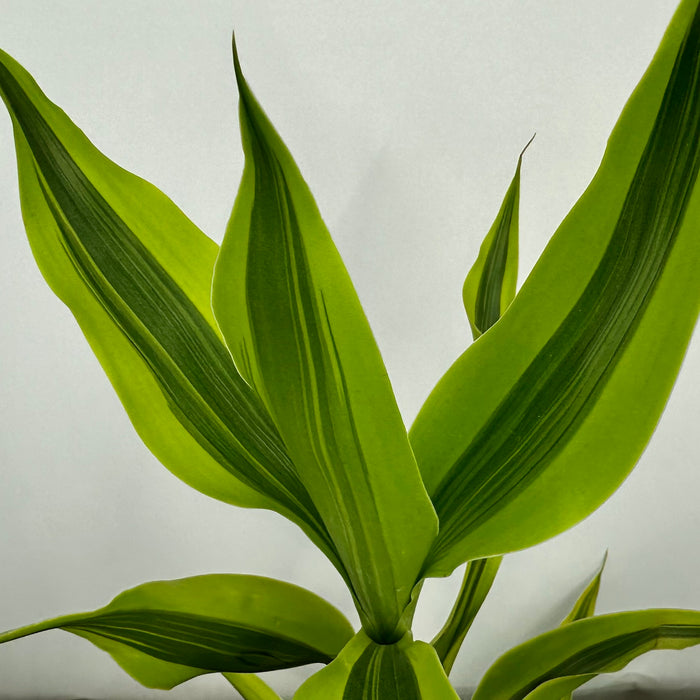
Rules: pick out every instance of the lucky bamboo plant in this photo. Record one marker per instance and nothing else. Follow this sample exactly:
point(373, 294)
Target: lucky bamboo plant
point(251, 372)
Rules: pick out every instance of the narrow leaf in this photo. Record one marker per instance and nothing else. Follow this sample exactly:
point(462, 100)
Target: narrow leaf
point(585, 605)
point(166, 632)
point(491, 283)
point(136, 273)
point(558, 662)
point(290, 315)
point(364, 670)
point(251, 687)
point(478, 579)
point(541, 420)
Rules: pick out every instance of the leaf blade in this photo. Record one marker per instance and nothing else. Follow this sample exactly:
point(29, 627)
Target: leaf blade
point(490, 285)
point(291, 317)
point(559, 661)
point(136, 273)
point(549, 408)
point(166, 632)
point(476, 584)
point(586, 602)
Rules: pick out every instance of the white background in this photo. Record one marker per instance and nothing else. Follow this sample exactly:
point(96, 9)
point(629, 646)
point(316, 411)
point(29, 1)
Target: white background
point(406, 119)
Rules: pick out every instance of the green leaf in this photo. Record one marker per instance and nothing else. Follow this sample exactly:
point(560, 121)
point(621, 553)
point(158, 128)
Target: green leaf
point(491, 283)
point(541, 420)
point(585, 605)
point(364, 670)
point(250, 687)
point(166, 632)
point(136, 273)
point(293, 322)
point(478, 579)
point(558, 662)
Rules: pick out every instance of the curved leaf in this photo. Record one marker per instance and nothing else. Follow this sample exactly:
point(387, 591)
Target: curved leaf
point(136, 273)
point(364, 670)
point(553, 664)
point(166, 632)
point(292, 320)
point(478, 579)
point(491, 283)
point(541, 419)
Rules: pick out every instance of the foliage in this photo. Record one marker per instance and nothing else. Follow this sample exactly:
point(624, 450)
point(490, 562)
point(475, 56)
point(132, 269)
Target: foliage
point(251, 372)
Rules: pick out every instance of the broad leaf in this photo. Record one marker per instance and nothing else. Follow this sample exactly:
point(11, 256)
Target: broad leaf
point(293, 322)
point(364, 670)
point(585, 604)
point(540, 420)
point(491, 283)
point(553, 664)
point(165, 632)
point(250, 687)
point(136, 273)
point(478, 579)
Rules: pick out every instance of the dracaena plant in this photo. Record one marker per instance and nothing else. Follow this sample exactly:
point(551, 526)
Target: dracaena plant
point(251, 372)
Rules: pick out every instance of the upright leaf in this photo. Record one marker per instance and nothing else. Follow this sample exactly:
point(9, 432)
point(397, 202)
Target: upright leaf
point(292, 320)
point(585, 604)
point(541, 420)
point(553, 664)
point(136, 273)
point(166, 632)
point(478, 579)
point(365, 670)
point(491, 283)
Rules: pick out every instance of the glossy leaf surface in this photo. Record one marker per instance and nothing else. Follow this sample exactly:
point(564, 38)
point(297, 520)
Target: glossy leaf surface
point(553, 664)
point(540, 420)
point(293, 322)
point(364, 670)
point(165, 632)
point(136, 273)
point(491, 283)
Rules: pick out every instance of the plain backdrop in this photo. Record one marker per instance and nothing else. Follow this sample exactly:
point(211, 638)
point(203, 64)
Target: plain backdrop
point(406, 118)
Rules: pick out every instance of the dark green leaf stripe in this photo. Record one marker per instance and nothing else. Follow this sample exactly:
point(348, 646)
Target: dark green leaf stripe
point(190, 363)
point(198, 641)
point(553, 396)
point(383, 672)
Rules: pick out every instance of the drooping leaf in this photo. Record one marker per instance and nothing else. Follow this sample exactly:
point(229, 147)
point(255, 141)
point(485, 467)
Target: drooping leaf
point(491, 283)
point(293, 322)
point(585, 604)
point(541, 420)
point(364, 670)
point(251, 687)
point(478, 579)
point(136, 273)
point(166, 632)
point(553, 664)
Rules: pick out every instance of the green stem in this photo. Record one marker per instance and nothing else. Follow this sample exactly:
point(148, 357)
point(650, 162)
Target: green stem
point(250, 686)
